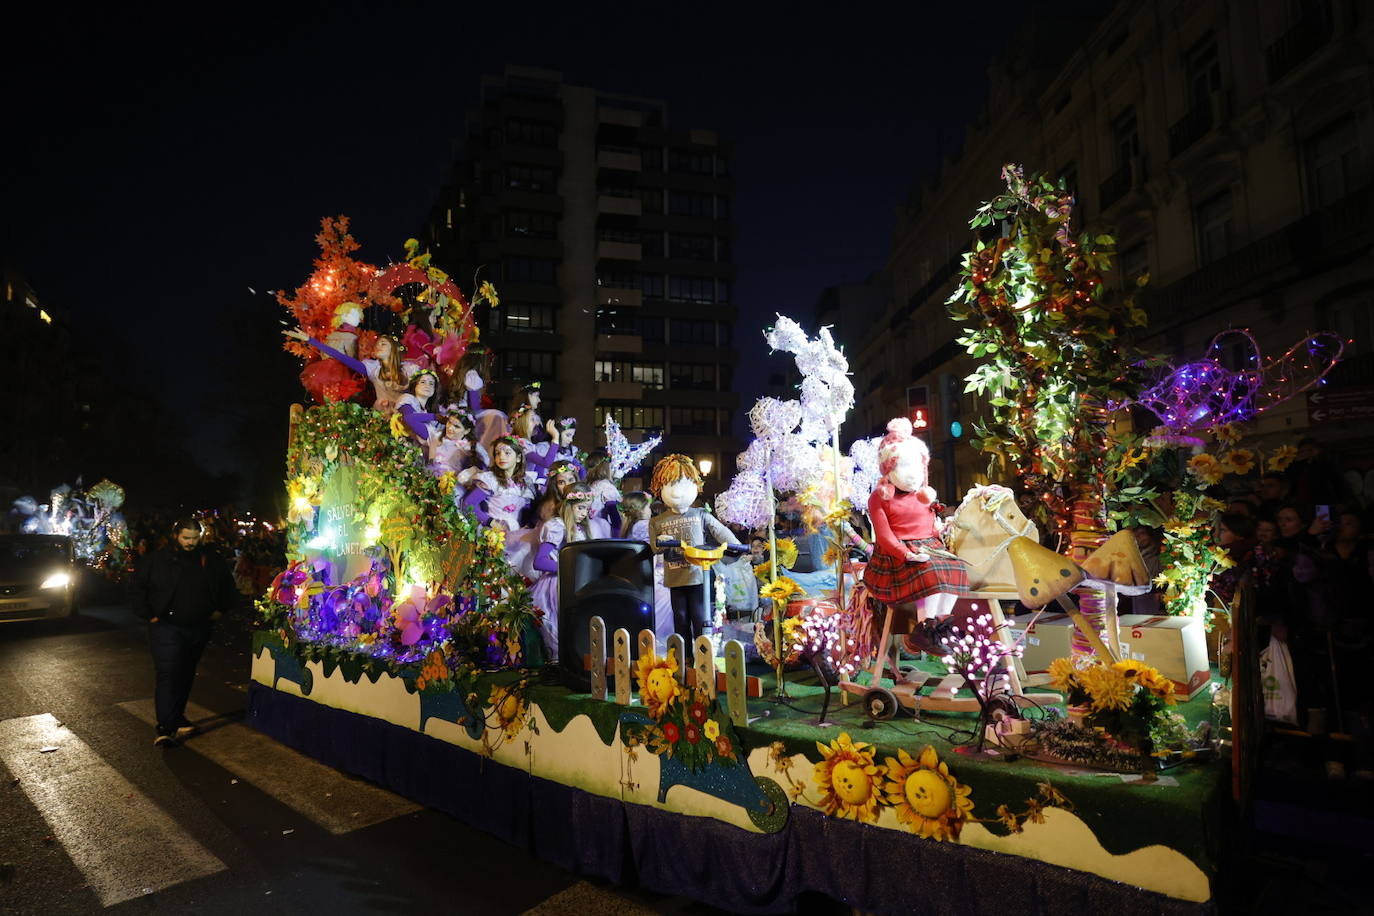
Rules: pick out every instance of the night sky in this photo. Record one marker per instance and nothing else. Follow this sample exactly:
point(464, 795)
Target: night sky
point(168, 163)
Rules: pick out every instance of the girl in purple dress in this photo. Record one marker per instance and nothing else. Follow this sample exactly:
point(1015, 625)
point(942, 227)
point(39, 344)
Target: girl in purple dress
point(574, 523)
point(417, 405)
point(456, 448)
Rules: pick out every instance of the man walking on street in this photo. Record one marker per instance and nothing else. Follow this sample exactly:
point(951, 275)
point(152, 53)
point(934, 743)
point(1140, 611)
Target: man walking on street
point(180, 590)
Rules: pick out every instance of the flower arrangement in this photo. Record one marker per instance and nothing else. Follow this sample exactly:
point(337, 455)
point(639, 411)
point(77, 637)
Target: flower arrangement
point(979, 655)
point(1163, 480)
point(686, 724)
point(1126, 700)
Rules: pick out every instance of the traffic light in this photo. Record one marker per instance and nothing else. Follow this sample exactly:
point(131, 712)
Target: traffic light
point(951, 397)
point(919, 410)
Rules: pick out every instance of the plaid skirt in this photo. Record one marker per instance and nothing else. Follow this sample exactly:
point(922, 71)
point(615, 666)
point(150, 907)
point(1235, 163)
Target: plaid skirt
point(892, 580)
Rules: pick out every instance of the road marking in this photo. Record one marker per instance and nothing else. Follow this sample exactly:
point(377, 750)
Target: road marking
point(337, 802)
point(584, 897)
point(123, 843)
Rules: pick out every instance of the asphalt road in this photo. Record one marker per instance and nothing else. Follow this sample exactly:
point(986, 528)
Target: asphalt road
point(93, 817)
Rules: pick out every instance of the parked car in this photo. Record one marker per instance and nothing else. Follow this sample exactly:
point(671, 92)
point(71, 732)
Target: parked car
point(38, 577)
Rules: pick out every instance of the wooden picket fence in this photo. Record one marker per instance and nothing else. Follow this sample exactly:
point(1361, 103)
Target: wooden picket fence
point(737, 686)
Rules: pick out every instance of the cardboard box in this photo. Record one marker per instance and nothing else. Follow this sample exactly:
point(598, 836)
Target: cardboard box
point(1047, 640)
point(1176, 646)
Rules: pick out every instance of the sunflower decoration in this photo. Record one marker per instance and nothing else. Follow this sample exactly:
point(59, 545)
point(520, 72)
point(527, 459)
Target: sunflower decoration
point(927, 798)
point(658, 686)
point(1108, 688)
point(511, 709)
point(849, 780)
point(1283, 456)
point(1238, 461)
point(399, 430)
point(1206, 468)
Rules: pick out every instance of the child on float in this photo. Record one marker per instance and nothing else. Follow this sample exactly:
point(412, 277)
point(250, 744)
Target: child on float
point(558, 447)
point(572, 523)
point(911, 571)
point(605, 489)
point(677, 483)
point(455, 448)
point(501, 493)
point(417, 406)
point(524, 414)
point(384, 369)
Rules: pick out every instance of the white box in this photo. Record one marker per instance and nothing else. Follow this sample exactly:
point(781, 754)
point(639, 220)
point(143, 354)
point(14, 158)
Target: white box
point(1175, 646)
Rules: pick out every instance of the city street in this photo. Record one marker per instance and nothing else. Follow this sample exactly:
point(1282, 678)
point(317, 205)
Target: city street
point(96, 817)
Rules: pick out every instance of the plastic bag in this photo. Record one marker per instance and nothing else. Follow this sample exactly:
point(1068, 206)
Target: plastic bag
point(1277, 682)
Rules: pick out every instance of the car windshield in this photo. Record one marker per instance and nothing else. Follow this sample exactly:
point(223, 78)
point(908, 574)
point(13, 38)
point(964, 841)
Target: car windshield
point(25, 552)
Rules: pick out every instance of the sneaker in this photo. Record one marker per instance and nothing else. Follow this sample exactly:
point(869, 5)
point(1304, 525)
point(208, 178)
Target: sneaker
point(164, 741)
point(187, 730)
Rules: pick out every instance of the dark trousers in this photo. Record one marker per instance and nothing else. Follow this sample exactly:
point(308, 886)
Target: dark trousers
point(176, 652)
point(689, 612)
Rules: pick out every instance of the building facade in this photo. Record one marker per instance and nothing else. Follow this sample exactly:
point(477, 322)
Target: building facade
point(1228, 145)
point(609, 238)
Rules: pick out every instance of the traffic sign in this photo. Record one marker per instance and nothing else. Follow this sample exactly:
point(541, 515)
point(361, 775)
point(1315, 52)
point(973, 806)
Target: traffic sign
point(1341, 405)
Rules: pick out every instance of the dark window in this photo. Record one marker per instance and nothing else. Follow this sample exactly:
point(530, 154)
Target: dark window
point(525, 318)
point(724, 291)
point(531, 224)
point(531, 270)
point(687, 161)
point(631, 416)
point(521, 365)
point(688, 203)
point(693, 376)
point(1135, 262)
point(722, 167)
point(531, 133)
point(531, 178)
point(651, 285)
point(722, 207)
point(627, 321)
point(1125, 137)
point(1203, 70)
point(724, 250)
point(615, 234)
point(1333, 162)
point(692, 289)
point(651, 158)
point(694, 247)
point(651, 200)
point(692, 331)
point(617, 279)
point(727, 376)
point(693, 421)
point(1213, 218)
point(724, 334)
point(651, 244)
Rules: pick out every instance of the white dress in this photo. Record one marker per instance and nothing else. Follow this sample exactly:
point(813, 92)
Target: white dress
point(505, 502)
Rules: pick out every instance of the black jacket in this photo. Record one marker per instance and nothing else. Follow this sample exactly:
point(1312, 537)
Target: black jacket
point(196, 581)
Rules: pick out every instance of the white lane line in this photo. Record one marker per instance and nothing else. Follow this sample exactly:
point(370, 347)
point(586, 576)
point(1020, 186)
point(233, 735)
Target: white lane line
point(123, 843)
point(337, 802)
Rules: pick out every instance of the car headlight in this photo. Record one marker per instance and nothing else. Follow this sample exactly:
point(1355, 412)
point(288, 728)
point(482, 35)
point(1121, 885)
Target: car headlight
point(57, 580)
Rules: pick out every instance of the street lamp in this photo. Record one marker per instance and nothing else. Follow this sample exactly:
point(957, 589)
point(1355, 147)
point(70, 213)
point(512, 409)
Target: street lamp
point(705, 464)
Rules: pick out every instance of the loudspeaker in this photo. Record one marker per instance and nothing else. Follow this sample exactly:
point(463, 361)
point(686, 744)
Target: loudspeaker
point(610, 579)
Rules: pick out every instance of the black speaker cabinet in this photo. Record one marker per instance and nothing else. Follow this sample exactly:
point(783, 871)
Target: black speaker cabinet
point(610, 579)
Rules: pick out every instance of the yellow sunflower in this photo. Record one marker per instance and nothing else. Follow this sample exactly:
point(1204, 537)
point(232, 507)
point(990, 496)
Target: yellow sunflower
point(511, 710)
point(496, 539)
point(928, 799)
point(1107, 688)
point(1283, 456)
point(1063, 675)
point(1238, 461)
point(787, 552)
point(849, 779)
point(446, 482)
point(658, 685)
point(488, 292)
point(1227, 433)
point(1206, 468)
point(780, 590)
point(399, 430)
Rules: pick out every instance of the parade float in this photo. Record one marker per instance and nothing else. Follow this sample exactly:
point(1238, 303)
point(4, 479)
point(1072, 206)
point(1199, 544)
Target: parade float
point(402, 643)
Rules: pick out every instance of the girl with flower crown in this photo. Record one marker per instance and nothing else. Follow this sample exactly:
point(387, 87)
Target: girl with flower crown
point(573, 523)
point(500, 494)
point(418, 404)
point(455, 449)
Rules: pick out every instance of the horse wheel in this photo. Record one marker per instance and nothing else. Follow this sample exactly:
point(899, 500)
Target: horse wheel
point(880, 704)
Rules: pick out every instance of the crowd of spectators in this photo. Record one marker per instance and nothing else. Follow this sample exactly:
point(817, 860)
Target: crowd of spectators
point(254, 551)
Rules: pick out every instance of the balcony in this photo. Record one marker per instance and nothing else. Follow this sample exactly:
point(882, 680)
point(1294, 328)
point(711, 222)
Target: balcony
point(614, 295)
point(1193, 126)
point(619, 343)
point(1115, 187)
point(618, 251)
point(618, 157)
point(619, 391)
point(620, 206)
point(1312, 30)
point(622, 116)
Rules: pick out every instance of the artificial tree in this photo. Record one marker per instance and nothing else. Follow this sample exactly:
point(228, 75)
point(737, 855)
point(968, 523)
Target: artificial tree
point(1057, 348)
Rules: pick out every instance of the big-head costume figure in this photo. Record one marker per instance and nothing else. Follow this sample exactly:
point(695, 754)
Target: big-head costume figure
point(677, 483)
